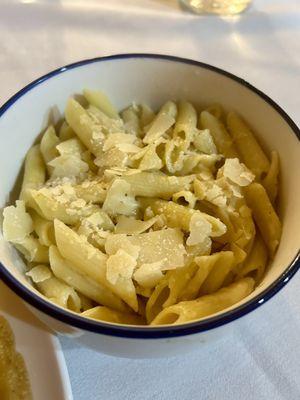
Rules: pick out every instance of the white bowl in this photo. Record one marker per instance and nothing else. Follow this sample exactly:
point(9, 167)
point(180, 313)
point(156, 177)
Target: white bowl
point(152, 79)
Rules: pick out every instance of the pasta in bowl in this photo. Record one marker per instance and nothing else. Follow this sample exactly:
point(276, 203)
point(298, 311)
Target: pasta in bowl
point(145, 218)
point(142, 223)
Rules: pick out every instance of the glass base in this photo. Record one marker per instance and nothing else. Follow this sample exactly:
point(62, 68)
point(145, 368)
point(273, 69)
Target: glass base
point(221, 7)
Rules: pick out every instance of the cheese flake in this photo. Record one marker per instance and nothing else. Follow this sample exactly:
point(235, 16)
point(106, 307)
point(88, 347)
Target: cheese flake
point(17, 223)
point(119, 199)
point(237, 172)
point(120, 266)
point(115, 139)
point(200, 229)
point(148, 275)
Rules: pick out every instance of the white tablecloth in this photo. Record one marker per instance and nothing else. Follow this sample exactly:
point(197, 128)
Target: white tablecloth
point(261, 360)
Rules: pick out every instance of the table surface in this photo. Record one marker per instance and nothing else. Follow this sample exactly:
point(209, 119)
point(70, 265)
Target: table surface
point(262, 359)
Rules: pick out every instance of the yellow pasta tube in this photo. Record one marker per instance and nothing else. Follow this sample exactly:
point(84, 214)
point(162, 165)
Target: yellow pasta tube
point(48, 144)
point(167, 292)
point(215, 110)
point(131, 121)
point(147, 184)
point(219, 133)
point(101, 101)
point(91, 191)
point(85, 128)
point(223, 263)
point(164, 119)
point(66, 132)
point(33, 250)
point(186, 311)
point(249, 149)
point(108, 315)
point(270, 182)
point(205, 266)
point(51, 208)
point(147, 115)
point(256, 262)
point(43, 228)
point(54, 289)
point(186, 123)
point(178, 216)
point(264, 215)
point(34, 172)
point(65, 271)
point(90, 261)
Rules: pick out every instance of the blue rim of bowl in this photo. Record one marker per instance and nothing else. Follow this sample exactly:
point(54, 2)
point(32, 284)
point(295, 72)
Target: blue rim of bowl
point(146, 332)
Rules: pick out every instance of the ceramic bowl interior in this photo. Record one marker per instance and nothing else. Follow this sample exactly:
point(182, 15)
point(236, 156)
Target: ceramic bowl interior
point(152, 80)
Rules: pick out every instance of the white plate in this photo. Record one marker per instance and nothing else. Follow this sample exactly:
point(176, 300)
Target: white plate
point(40, 348)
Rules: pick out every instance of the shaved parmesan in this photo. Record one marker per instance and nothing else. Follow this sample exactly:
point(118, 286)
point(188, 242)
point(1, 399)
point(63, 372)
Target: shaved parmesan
point(237, 172)
point(115, 139)
point(165, 245)
point(95, 223)
point(113, 157)
point(151, 160)
point(71, 147)
point(148, 275)
point(68, 165)
point(119, 199)
point(159, 126)
point(128, 148)
point(120, 266)
point(200, 229)
point(133, 226)
point(204, 142)
point(121, 241)
point(17, 223)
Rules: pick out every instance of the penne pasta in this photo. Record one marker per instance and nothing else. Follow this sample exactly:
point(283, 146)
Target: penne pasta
point(65, 132)
point(34, 173)
point(146, 218)
point(33, 250)
point(255, 264)
point(223, 263)
point(85, 128)
point(91, 262)
point(131, 121)
point(264, 215)
point(248, 147)
point(206, 305)
point(48, 145)
point(221, 137)
point(186, 123)
point(53, 288)
point(109, 315)
point(43, 228)
point(178, 216)
point(147, 184)
point(211, 273)
point(101, 101)
point(270, 182)
point(51, 208)
point(65, 271)
point(161, 123)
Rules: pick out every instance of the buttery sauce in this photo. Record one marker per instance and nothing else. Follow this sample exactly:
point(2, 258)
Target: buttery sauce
point(14, 381)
